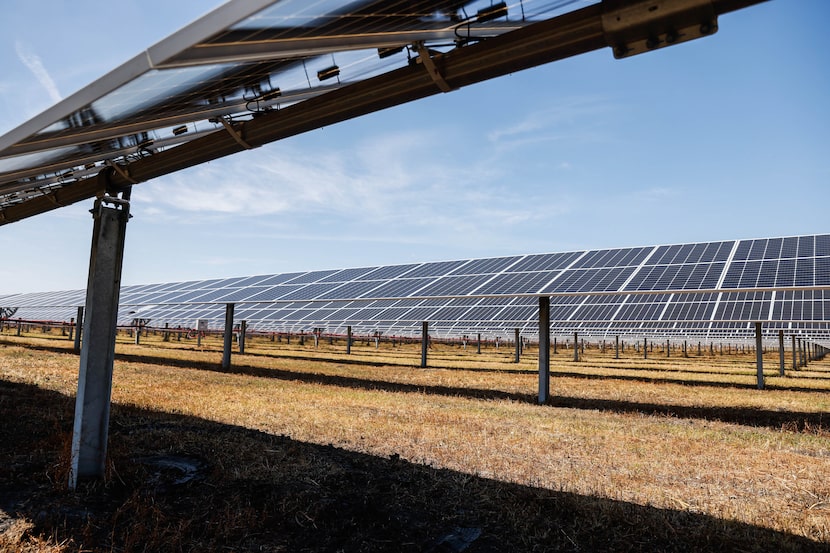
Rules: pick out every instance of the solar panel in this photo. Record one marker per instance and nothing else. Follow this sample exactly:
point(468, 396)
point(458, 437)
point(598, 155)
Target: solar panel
point(601, 291)
point(246, 58)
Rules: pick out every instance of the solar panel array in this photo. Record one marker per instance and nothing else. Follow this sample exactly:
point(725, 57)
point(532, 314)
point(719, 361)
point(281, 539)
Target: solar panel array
point(715, 289)
point(246, 58)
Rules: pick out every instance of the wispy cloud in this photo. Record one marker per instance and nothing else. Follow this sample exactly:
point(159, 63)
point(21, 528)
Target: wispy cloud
point(33, 62)
point(566, 120)
point(381, 178)
point(404, 188)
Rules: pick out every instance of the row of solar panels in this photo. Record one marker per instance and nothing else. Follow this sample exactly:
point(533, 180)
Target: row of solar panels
point(722, 266)
point(303, 301)
point(653, 318)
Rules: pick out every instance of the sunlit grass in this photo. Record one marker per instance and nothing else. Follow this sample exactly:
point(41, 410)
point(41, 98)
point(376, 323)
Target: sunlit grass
point(685, 433)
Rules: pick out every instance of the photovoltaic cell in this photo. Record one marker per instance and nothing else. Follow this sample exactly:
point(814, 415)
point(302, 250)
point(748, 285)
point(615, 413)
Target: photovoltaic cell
point(347, 275)
point(485, 266)
point(399, 288)
point(544, 262)
point(313, 276)
point(440, 268)
point(386, 273)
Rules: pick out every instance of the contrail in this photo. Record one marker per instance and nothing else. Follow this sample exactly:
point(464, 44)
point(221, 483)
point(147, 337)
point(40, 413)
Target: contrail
point(32, 61)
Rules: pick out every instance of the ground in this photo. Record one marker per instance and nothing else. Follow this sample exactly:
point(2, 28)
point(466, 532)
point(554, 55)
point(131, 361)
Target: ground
point(180, 479)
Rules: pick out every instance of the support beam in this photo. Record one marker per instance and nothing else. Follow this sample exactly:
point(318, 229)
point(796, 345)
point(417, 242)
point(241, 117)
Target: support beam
point(348, 340)
point(759, 356)
point(617, 346)
point(228, 342)
point(544, 350)
point(424, 343)
point(645, 348)
point(478, 343)
point(92, 403)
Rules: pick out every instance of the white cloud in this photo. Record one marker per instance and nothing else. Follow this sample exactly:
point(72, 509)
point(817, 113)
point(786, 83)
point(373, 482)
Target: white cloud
point(33, 62)
point(381, 178)
point(403, 188)
point(568, 120)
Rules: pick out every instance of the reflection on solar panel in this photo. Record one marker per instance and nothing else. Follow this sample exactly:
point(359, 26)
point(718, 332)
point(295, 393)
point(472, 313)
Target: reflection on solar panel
point(679, 290)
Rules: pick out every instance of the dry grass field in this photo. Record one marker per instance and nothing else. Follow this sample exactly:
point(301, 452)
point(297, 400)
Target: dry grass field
point(303, 448)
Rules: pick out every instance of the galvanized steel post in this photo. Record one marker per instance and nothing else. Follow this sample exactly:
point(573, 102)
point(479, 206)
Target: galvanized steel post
point(781, 352)
point(228, 337)
point(92, 402)
point(424, 343)
point(759, 356)
point(79, 325)
point(518, 354)
point(544, 349)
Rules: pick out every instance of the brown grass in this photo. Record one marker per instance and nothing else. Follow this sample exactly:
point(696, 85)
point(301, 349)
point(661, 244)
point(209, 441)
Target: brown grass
point(660, 454)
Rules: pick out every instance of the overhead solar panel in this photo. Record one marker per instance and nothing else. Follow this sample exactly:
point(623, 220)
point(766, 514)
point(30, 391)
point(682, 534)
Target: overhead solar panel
point(246, 59)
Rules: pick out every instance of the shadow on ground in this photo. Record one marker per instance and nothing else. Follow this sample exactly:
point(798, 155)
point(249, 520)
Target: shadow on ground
point(775, 419)
point(178, 483)
point(796, 421)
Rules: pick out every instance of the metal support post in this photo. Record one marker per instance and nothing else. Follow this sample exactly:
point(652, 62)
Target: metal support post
point(800, 361)
point(92, 402)
point(79, 325)
point(424, 343)
point(348, 340)
point(576, 347)
point(645, 348)
point(544, 349)
point(518, 353)
point(243, 329)
point(478, 343)
point(228, 336)
point(781, 352)
point(617, 346)
point(759, 356)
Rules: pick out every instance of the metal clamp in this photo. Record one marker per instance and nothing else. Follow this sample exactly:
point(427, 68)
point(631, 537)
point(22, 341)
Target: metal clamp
point(632, 29)
point(432, 69)
point(234, 133)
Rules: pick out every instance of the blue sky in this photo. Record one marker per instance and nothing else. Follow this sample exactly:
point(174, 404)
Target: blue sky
point(722, 138)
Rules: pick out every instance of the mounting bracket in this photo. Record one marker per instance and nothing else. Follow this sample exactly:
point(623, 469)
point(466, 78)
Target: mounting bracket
point(432, 69)
point(643, 26)
point(235, 134)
